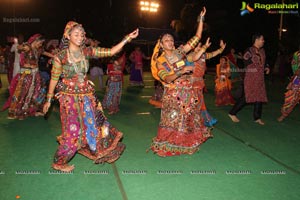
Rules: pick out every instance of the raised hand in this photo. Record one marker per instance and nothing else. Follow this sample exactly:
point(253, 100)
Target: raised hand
point(208, 43)
point(198, 47)
point(134, 34)
point(203, 12)
point(222, 44)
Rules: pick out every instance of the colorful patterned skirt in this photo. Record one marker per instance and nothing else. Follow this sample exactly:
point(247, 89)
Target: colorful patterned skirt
point(27, 94)
point(86, 130)
point(155, 100)
point(112, 97)
point(292, 96)
point(181, 129)
point(136, 77)
point(209, 121)
point(223, 93)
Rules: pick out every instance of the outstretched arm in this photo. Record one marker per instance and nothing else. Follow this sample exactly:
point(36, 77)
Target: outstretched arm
point(217, 52)
point(115, 49)
point(101, 52)
point(191, 44)
point(199, 50)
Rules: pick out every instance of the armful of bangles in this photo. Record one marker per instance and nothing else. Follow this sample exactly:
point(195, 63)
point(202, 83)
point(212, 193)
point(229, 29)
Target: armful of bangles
point(200, 49)
point(216, 52)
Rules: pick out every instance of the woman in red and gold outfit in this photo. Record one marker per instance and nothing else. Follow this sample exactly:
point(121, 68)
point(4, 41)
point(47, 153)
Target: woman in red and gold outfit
point(181, 129)
point(85, 129)
point(27, 90)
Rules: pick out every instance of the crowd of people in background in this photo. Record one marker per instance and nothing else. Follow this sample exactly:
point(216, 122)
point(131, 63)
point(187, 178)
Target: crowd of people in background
point(40, 70)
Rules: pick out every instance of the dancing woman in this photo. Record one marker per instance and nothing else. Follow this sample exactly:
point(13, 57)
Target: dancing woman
point(27, 92)
point(85, 129)
point(112, 97)
point(181, 129)
point(223, 83)
point(292, 95)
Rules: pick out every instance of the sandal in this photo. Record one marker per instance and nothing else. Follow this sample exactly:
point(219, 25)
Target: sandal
point(38, 114)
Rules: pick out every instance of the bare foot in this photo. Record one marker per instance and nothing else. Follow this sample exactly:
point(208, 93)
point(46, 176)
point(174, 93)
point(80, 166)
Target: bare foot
point(63, 168)
point(11, 117)
point(37, 114)
point(281, 118)
point(234, 118)
point(260, 122)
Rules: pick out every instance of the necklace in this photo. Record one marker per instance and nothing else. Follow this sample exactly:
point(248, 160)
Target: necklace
point(76, 54)
point(172, 59)
point(78, 66)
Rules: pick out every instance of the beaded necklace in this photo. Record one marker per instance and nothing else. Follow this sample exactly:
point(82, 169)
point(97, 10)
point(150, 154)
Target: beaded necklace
point(77, 67)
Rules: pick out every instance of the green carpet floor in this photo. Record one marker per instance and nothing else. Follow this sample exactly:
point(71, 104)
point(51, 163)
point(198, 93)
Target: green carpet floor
point(244, 161)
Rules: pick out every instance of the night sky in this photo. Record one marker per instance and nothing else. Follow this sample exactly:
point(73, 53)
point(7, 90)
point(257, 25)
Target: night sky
point(108, 21)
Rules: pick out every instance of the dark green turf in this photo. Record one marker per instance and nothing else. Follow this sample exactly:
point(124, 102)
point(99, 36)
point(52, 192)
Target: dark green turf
point(245, 149)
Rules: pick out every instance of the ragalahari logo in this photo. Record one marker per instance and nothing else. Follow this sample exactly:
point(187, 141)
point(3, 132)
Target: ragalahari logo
point(246, 9)
point(271, 8)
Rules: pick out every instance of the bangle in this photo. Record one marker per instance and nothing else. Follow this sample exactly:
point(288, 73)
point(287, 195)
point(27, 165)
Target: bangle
point(49, 97)
point(221, 50)
point(49, 100)
point(200, 18)
point(126, 39)
point(203, 48)
point(193, 41)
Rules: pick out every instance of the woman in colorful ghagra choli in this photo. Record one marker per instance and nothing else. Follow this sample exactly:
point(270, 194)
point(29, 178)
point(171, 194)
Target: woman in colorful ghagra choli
point(27, 91)
point(112, 97)
point(292, 95)
point(136, 71)
point(85, 129)
point(181, 129)
point(223, 83)
point(209, 121)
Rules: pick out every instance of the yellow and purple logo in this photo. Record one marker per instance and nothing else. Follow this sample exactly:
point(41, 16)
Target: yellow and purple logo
point(246, 9)
point(274, 8)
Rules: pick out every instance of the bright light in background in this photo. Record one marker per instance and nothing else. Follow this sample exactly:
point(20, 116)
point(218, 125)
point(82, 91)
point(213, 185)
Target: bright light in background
point(283, 30)
point(149, 6)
